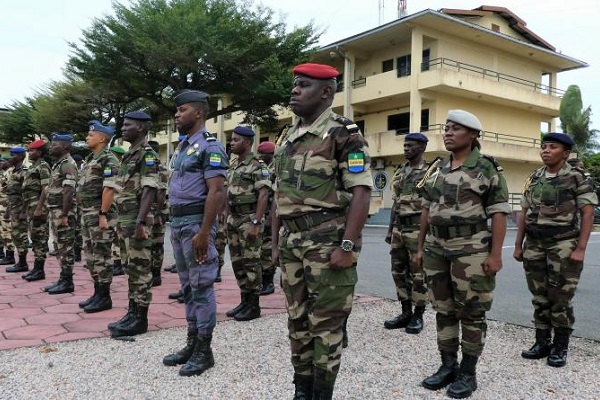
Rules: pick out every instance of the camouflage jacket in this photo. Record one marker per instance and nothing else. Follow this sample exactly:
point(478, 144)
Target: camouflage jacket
point(556, 200)
point(4, 178)
point(465, 195)
point(316, 168)
point(14, 187)
point(163, 185)
point(64, 173)
point(37, 178)
point(407, 200)
point(245, 179)
point(100, 170)
point(139, 169)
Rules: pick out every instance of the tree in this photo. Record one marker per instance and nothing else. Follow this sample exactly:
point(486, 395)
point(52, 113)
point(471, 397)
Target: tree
point(220, 46)
point(575, 121)
point(16, 126)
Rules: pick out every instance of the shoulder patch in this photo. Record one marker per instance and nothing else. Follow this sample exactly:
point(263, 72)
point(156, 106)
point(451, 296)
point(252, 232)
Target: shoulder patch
point(209, 137)
point(149, 159)
point(356, 162)
point(107, 171)
point(264, 169)
point(214, 159)
point(348, 123)
point(493, 161)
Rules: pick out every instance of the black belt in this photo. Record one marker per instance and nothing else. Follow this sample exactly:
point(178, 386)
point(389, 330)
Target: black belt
point(188, 209)
point(308, 220)
point(555, 232)
point(454, 231)
point(410, 220)
point(242, 208)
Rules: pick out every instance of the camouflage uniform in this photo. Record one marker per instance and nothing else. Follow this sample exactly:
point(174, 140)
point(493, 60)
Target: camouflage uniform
point(64, 173)
point(315, 170)
point(460, 201)
point(220, 244)
point(5, 234)
point(268, 264)
point(551, 207)
point(100, 171)
point(246, 177)
point(37, 178)
point(15, 204)
point(158, 229)
point(139, 169)
point(408, 276)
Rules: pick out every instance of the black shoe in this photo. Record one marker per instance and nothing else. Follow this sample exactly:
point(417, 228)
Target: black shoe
point(466, 382)
point(303, 387)
point(558, 353)
point(77, 256)
point(201, 358)
point(322, 388)
point(131, 311)
point(50, 286)
point(445, 374)
point(267, 282)
point(219, 278)
point(415, 325)
point(156, 281)
point(85, 303)
point(251, 311)
point(402, 320)
point(102, 301)
point(243, 304)
point(117, 268)
point(21, 266)
point(183, 355)
point(64, 285)
point(541, 347)
point(170, 268)
point(176, 295)
point(137, 324)
point(37, 273)
point(9, 258)
point(180, 299)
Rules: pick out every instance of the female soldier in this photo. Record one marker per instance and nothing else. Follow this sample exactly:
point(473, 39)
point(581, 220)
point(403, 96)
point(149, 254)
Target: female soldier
point(557, 218)
point(461, 255)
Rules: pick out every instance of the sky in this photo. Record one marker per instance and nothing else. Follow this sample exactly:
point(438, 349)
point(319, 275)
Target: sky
point(34, 34)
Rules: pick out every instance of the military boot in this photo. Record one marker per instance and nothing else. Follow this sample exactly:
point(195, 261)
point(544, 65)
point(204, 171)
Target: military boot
point(243, 304)
point(156, 278)
point(267, 282)
point(9, 258)
point(445, 374)
point(252, 311)
point(137, 324)
point(466, 382)
point(541, 347)
point(64, 284)
point(50, 286)
point(131, 311)
point(89, 300)
point(219, 278)
point(21, 266)
point(37, 273)
point(2, 255)
point(345, 333)
point(415, 325)
point(201, 359)
point(183, 355)
point(102, 301)
point(77, 255)
point(117, 268)
point(322, 388)
point(560, 347)
point(303, 387)
point(402, 320)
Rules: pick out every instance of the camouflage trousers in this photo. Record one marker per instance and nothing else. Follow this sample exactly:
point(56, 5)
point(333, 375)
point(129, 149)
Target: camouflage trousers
point(318, 299)
point(268, 264)
point(157, 250)
point(117, 245)
point(245, 253)
point(78, 244)
point(552, 279)
point(461, 294)
point(221, 242)
point(65, 238)
point(138, 256)
point(408, 277)
point(5, 229)
point(197, 280)
point(19, 230)
point(97, 244)
point(39, 232)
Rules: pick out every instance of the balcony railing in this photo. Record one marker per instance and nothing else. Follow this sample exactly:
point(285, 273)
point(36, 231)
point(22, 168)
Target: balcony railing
point(446, 63)
point(494, 137)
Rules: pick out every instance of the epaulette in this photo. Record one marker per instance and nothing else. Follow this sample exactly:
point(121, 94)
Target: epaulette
point(348, 123)
point(494, 162)
point(282, 135)
point(582, 171)
point(209, 137)
point(432, 167)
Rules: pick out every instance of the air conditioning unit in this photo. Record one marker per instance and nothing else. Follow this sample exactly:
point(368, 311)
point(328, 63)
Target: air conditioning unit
point(378, 163)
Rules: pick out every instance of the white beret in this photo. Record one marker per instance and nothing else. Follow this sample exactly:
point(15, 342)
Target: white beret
point(465, 119)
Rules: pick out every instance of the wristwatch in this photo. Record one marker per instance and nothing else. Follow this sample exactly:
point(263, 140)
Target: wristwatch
point(347, 245)
point(105, 213)
point(256, 222)
point(140, 222)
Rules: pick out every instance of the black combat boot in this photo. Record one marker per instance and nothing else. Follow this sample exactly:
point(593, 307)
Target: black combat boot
point(50, 286)
point(218, 278)
point(252, 311)
point(21, 266)
point(37, 273)
point(322, 388)
point(560, 347)
point(445, 374)
point(131, 311)
point(243, 304)
point(303, 387)
point(402, 320)
point(466, 382)
point(2, 255)
point(102, 302)
point(156, 278)
point(117, 268)
point(183, 355)
point(267, 282)
point(345, 333)
point(89, 300)
point(201, 359)
point(77, 255)
point(9, 258)
point(541, 347)
point(137, 324)
point(64, 284)
point(416, 321)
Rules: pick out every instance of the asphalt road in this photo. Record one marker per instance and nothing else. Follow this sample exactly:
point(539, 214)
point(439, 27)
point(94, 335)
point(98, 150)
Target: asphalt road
point(512, 300)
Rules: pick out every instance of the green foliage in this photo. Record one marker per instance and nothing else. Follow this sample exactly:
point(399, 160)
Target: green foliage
point(16, 126)
point(575, 121)
point(154, 47)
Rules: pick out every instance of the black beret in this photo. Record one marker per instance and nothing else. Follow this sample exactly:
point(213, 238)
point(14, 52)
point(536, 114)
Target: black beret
point(62, 137)
point(243, 131)
point(138, 116)
point(560, 138)
point(417, 137)
point(185, 96)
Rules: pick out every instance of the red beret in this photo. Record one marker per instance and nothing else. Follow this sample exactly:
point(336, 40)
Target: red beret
point(317, 71)
point(266, 148)
point(37, 144)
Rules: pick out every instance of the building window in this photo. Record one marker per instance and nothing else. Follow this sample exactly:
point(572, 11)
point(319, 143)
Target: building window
point(340, 83)
point(425, 120)
point(387, 65)
point(399, 122)
point(426, 59)
point(361, 125)
point(403, 65)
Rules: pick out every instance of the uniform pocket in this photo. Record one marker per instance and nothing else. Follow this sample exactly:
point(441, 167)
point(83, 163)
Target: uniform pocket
point(345, 277)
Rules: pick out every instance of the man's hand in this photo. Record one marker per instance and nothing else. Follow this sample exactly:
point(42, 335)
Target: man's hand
point(140, 232)
point(253, 232)
point(491, 265)
point(200, 244)
point(64, 220)
point(341, 259)
point(102, 222)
